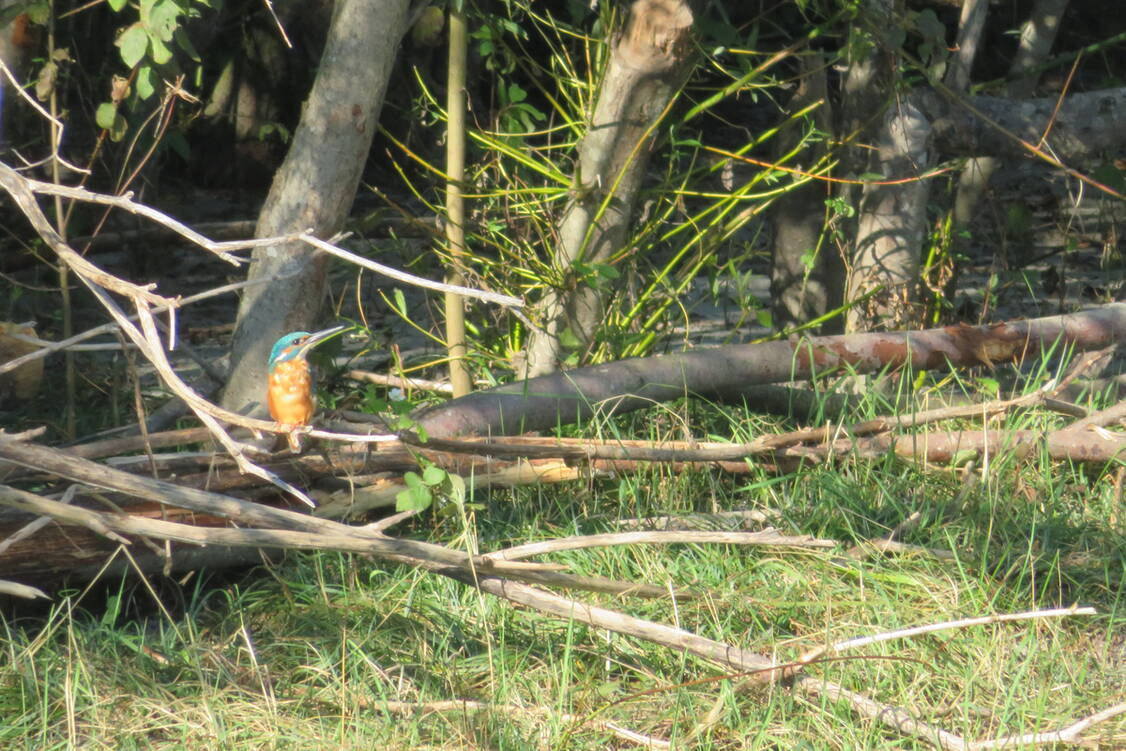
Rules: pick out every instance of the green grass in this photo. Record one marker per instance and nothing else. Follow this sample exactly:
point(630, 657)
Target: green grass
point(304, 654)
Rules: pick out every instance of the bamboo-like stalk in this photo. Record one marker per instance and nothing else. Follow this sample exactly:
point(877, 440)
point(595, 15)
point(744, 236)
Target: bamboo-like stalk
point(455, 200)
point(70, 409)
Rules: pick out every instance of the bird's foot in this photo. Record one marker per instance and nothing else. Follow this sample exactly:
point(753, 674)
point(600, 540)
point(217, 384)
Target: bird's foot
point(294, 434)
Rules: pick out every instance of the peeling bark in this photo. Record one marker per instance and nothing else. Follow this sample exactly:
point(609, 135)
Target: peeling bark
point(314, 188)
point(646, 64)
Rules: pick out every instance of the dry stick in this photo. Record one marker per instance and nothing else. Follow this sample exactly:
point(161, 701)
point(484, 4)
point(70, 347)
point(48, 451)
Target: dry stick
point(224, 249)
point(931, 628)
point(763, 669)
point(56, 131)
point(17, 188)
point(888, 544)
point(717, 520)
point(349, 540)
point(1102, 418)
point(948, 740)
point(34, 526)
point(906, 723)
point(766, 537)
point(1069, 734)
point(579, 448)
point(116, 446)
point(44, 344)
point(513, 303)
point(369, 540)
point(674, 451)
point(1086, 446)
point(15, 589)
point(401, 382)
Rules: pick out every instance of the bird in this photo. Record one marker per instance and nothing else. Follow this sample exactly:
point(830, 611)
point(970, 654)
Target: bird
point(290, 392)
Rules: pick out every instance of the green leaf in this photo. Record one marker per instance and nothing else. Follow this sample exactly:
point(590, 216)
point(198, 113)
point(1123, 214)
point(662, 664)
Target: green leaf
point(133, 42)
point(400, 302)
point(146, 7)
point(415, 497)
point(516, 94)
point(434, 475)
point(146, 81)
point(160, 53)
point(165, 19)
point(117, 5)
point(607, 271)
point(105, 114)
point(117, 132)
point(457, 489)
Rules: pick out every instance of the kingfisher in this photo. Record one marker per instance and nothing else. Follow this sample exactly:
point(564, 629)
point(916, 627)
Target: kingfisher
point(290, 393)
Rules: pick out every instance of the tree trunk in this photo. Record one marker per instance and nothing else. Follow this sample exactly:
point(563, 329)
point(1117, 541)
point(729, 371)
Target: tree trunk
point(646, 65)
point(314, 188)
point(806, 273)
point(885, 261)
point(1036, 39)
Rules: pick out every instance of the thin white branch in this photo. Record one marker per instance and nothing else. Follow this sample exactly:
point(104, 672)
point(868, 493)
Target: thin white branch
point(1069, 734)
point(17, 87)
point(15, 589)
point(686, 536)
point(963, 623)
point(225, 249)
point(125, 202)
point(493, 297)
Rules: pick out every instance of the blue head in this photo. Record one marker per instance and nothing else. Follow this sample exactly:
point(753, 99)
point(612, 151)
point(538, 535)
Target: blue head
point(296, 346)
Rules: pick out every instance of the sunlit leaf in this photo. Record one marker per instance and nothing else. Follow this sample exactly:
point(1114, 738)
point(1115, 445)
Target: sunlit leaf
point(133, 42)
point(146, 81)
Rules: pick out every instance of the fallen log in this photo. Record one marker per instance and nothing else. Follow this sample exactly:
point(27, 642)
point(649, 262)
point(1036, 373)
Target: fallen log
point(724, 373)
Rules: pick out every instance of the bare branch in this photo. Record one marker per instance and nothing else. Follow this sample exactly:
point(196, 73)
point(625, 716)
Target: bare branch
point(765, 537)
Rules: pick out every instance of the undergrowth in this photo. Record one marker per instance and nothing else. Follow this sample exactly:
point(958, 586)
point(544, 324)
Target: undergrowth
point(308, 652)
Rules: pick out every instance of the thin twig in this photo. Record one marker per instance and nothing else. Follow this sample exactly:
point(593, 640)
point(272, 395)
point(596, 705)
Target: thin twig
point(765, 537)
point(1101, 419)
point(400, 382)
point(948, 625)
point(730, 520)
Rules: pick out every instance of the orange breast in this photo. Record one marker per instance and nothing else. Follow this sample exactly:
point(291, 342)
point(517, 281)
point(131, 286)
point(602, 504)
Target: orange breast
point(290, 393)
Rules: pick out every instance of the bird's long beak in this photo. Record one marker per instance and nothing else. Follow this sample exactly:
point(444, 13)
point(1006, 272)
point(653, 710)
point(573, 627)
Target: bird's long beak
point(318, 338)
